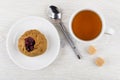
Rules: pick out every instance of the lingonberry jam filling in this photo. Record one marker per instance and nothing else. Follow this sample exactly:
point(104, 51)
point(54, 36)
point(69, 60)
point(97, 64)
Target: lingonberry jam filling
point(29, 44)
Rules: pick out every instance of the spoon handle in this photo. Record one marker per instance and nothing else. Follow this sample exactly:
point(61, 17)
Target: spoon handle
point(70, 41)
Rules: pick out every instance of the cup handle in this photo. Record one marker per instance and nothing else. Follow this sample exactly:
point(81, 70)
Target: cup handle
point(109, 31)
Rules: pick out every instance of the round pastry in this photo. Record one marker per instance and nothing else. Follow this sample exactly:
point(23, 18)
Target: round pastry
point(32, 43)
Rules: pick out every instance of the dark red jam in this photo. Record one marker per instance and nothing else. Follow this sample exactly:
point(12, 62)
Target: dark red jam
point(29, 44)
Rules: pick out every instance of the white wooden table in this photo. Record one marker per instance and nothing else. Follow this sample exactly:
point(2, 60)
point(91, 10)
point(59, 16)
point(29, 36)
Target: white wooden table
point(66, 66)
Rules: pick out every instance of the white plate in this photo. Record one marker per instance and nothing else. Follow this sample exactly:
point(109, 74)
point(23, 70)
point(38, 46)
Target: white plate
point(38, 62)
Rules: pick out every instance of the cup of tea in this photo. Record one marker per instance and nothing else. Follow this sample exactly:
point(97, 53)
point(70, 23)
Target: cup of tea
point(88, 25)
